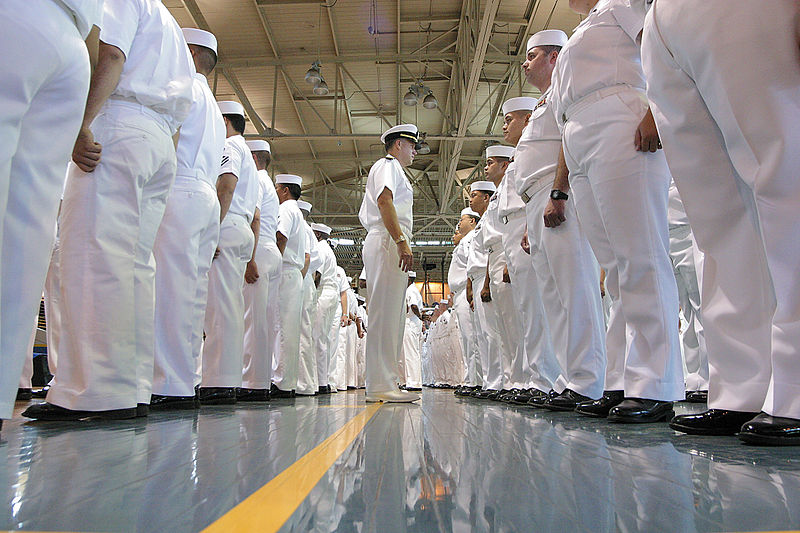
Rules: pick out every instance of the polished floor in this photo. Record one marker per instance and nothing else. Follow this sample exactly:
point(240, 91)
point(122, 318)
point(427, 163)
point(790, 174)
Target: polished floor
point(445, 465)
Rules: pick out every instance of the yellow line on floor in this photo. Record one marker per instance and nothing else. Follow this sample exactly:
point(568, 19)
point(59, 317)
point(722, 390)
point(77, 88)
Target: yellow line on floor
point(268, 508)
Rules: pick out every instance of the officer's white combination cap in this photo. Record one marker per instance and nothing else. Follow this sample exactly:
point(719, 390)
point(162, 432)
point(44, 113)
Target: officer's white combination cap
point(520, 103)
point(288, 179)
point(412, 274)
point(547, 38)
point(302, 204)
point(322, 228)
point(482, 186)
point(200, 38)
point(258, 145)
point(499, 150)
point(229, 107)
point(407, 131)
point(360, 298)
point(469, 211)
point(443, 301)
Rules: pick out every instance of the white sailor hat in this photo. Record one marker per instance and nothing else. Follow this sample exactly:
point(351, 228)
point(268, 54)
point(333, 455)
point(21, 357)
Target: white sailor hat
point(322, 228)
point(406, 131)
point(288, 179)
point(360, 298)
point(229, 107)
point(200, 38)
point(302, 204)
point(469, 211)
point(258, 145)
point(499, 150)
point(483, 186)
point(547, 38)
point(519, 103)
point(443, 301)
point(412, 274)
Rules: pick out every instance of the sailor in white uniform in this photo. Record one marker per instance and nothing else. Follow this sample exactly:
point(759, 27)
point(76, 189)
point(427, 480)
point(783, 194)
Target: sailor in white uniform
point(386, 213)
point(457, 281)
point(329, 300)
point(412, 336)
point(617, 175)
point(307, 381)
point(262, 280)
point(111, 213)
point(187, 238)
point(43, 81)
point(565, 266)
point(238, 193)
point(291, 239)
point(730, 125)
point(336, 369)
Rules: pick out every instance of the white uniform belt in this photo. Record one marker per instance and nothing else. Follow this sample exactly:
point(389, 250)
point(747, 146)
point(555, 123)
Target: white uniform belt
point(514, 215)
point(190, 175)
point(595, 96)
point(528, 194)
point(130, 103)
point(232, 214)
point(382, 229)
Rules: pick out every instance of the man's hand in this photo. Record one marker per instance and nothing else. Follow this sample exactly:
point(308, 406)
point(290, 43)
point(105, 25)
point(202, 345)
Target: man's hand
point(646, 138)
point(251, 272)
point(216, 253)
point(86, 152)
point(486, 294)
point(602, 289)
point(344, 321)
point(525, 244)
point(470, 300)
point(506, 275)
point(406, 257)
point(554, 213)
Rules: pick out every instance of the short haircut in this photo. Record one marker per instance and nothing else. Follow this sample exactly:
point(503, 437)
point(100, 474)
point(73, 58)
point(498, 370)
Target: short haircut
point(294, 190)
point(205, 58)
point(487, 193)
point(550, 48)
point(390, 142)
point(263, 157)
point(473, 217)
point(237, 121)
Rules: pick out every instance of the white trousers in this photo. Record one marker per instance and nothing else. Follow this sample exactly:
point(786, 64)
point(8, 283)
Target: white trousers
point(502, 312)
point(412, 337)
point(183, 251)
point(685, 257)
point(44, 79)
point(287, 347)
point(109, 222)
point(490, 337)
point(339, 362)
point(569, 280)
point(223, 349)
point(536, 362)
point(327, 304)
point(52, 306)
point(712, 103)
point(463, 316)
point(259, 331)
point(350, 363)
point(307, 381)
point(386, 286)
point(334, 344)
point(612, 185)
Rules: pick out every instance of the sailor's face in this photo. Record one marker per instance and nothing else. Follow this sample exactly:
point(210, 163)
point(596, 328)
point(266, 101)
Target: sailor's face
point(406, 152)
point(478, 201)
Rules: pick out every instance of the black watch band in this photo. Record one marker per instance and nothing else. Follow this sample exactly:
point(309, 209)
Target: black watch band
point(555, 194)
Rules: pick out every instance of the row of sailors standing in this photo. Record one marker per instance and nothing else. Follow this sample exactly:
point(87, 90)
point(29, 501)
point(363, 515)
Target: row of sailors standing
point(158, 242)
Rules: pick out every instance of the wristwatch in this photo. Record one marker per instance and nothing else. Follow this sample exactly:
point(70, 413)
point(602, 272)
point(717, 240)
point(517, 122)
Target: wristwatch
point(401, 238)
point(555, 194)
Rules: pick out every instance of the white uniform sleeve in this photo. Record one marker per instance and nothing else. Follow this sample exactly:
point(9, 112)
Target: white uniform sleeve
point(387, 178)
point(630, 20)
point(120, 23)
point(232, 159)
point(285, 225)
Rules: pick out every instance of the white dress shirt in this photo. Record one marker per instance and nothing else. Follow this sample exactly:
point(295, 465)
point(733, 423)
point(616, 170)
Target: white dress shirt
point(315, 261)
point(387, 173)
point(508, 200)
point(413, 297)
point(457, 274)
point(478, 256)
point(327, 269)
point(268, 207)
point(237, 160)
point(536, 156)
point(292, 226)
point(202, 137)
point(158, 66)
point(87, 13)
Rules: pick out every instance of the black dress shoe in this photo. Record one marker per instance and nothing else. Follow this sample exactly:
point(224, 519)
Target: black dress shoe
point(159, 402)
point(522, 397)
point(600, 408)
point(24, 394)
point(711, 422)
point(252, 395)
point(697, 396)
point(216, 395)
point(641, 411)
point(566, 401)
point(41, 393)
point(483, 394)
point(538, 400)
point(48, 411)
point(506, 397)
point(275, 392)
point(323, 390)
point(771, 431)
point(413, 389)
point(142, 410)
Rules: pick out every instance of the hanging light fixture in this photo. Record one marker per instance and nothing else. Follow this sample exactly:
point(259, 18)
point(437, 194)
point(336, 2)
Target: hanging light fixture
point(423, 147)
point(412, 96)
point(321, 88)
point(430, 101)
point(312, 75)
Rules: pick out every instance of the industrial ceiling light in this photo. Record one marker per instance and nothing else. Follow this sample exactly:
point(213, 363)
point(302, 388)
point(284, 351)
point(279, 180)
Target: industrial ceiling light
point(423, 147)
point(312, 75)
point(321, 88)
point(412, 96)
point(430, 101)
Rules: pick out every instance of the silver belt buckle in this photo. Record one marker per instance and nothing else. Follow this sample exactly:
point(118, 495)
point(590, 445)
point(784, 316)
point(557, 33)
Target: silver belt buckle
point(525, 197)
